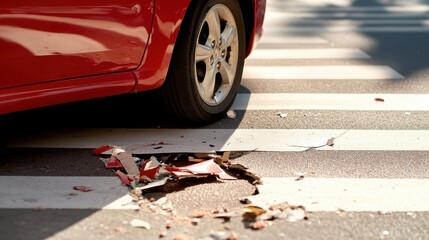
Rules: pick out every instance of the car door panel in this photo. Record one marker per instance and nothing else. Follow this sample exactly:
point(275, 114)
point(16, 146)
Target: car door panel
point(53, 40)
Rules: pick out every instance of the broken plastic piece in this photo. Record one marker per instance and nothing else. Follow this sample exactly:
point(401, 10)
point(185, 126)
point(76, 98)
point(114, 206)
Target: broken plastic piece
point(140, 224)
point(208, 167)
point(127, 161)
point(102, 149)
point(113, 162)
point(231, 114)
point(82, 188)
point(251, 212)
point(153, 184)
point(124, 178)
point(330, 142)
point(149, 168)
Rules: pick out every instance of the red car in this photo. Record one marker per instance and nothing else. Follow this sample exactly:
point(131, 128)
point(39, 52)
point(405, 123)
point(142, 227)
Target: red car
point(54, 52)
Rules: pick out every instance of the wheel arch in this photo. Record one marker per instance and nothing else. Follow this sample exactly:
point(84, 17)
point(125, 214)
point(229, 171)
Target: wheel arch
point(166, 29)
point(249, 21)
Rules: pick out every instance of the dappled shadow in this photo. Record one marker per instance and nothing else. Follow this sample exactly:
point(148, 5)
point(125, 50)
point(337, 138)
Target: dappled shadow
point(393, 33)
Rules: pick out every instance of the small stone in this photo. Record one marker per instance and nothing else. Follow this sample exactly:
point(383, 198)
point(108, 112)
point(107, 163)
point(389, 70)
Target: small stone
point(231, 114)
point(163, 234)
point(258, 225)
point(180, 237)
point(195, 221)
point(168, 224)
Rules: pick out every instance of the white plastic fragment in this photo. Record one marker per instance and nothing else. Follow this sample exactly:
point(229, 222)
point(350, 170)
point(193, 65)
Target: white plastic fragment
point(281, 114)
point(140, 224)
point(231, 114)
point(127, 161)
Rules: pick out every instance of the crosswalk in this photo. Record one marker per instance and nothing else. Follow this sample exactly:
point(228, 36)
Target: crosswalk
point(342, 16)
point(294, 21)
point(304, 25)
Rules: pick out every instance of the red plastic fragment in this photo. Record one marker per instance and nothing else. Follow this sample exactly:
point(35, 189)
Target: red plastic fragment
point(124, 178)
point(149, 169)
point(82, 188)
point(113, 163)
point(206, 167)
point(150, 173)
point(102, 149)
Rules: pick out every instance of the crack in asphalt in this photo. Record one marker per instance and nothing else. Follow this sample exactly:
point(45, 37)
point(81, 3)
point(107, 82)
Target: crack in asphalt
point(329, 142)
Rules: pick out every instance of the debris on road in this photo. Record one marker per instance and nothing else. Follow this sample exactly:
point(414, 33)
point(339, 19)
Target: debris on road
point(82, 188)
point(256, 217)
point(127, 161)
point(231, 114)
point(330, 142)
point(299, 178)
point(143, 173)
point(282, 115)
point(137, 223)
point(379, 99)
point(208, 167)
point(224, 235)
point(252, 212)
point(102, 149)
point(150, 171)
point(163, 234)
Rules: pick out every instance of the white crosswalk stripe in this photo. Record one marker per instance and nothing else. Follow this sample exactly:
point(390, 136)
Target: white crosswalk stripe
point(329, 72)
point(315, 53)
point(345, 194)
point(316, 194)
point(206, 140)
point(324, 101)
point(57, 192)
point(293, 40)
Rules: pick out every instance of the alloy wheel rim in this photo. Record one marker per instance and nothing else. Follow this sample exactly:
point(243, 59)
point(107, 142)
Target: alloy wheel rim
point(216, 55)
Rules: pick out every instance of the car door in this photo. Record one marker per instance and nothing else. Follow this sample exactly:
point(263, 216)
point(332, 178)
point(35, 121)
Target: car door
point(46, 40)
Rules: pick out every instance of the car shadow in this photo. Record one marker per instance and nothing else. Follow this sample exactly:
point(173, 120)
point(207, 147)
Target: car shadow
point(136, 111)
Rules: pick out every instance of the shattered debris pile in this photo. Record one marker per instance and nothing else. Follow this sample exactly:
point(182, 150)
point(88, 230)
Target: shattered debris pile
point(143, 173)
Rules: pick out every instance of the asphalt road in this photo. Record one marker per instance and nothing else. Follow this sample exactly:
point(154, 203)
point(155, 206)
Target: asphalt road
point(355, 72)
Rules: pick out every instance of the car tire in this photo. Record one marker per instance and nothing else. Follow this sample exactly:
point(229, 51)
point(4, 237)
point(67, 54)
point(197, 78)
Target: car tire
point(207, 63)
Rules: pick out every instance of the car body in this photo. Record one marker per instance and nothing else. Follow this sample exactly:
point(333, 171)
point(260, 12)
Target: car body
point(55, 52)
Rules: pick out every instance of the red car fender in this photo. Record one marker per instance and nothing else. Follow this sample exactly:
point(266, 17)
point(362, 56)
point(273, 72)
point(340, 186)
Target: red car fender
point(259, 7)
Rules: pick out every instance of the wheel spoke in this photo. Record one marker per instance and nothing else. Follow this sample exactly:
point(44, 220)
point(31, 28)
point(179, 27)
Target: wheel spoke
point(213, 21)
point(228, 36)
point(203, 53)
point(208, 84)
point(226, 72)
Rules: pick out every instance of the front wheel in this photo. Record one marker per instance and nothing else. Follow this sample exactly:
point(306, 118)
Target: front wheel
point(207, 64)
